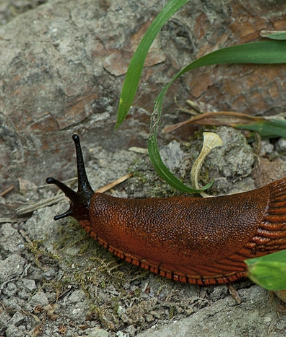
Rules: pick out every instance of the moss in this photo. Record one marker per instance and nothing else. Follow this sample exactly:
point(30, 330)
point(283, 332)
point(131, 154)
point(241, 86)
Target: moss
point(41, 254)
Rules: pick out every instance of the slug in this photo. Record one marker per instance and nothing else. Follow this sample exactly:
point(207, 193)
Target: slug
point(186, 239)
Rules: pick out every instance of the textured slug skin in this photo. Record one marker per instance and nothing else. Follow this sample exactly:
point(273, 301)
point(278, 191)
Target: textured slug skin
point(194, 240)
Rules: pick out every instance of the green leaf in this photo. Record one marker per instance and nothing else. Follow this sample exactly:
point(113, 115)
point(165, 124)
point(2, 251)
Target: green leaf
point(136, 64)
point(268, 271)
point(266, 128)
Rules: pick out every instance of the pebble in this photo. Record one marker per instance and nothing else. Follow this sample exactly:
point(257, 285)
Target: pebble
point(10, 240)
point(27, 284)
point(281, 145)
point(11, 267)
point(10, 289)
point(4, 321)
point(17, 319)
point(97, 332)
point(77, 296)
point(39, 298)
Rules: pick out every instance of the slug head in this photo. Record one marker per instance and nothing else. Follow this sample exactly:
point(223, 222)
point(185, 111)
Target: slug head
point(80, 200)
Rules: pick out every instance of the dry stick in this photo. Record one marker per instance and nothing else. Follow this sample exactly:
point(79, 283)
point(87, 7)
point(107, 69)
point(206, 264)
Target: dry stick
point(9, 189)
point(114, 183)
point(233, 292)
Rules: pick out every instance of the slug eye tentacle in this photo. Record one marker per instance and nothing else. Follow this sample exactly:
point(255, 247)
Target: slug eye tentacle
point(80, 200)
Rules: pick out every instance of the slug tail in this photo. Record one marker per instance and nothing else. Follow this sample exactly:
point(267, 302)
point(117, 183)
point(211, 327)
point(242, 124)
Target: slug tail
point(271, 235)
point(80, 200)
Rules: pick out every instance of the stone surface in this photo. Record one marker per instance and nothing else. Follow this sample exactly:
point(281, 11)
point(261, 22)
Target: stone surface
point(62, 65)
point(11, 267)
point(225, 318)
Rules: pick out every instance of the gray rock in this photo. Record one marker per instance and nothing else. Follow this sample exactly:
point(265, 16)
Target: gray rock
point(27, 284)
point(10, 289)
point(235, 157)
point(40, 299)
point(17, 318)
point(11, 267)
point(10, 240)
point(4, 321)
point(281, 145)
point(77, 296)
point(14, 331)
point(225, 318)
point(97, 332)
point(76, 305)
point(172, 155)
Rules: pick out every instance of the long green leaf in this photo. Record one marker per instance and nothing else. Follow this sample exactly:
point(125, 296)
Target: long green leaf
point(136, 64)
point(264, 52)
point(266, 128)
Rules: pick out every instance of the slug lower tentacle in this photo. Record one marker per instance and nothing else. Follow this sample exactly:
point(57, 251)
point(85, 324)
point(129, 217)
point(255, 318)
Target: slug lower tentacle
point(186, 239)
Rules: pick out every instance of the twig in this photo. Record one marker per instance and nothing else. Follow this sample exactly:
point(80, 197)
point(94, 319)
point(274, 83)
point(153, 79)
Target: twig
point(9, 189)
point(114, 183)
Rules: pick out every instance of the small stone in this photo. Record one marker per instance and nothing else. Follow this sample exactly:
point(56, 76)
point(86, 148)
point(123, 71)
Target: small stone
point(28, 285)
point(10, 240)
point(267, 319)
point(11, 267)
point(17, 319)
point(131, 330)
point(13, 303)
point(120, 334)
point(281, 145)
point(39, 299)
point(172, 155)
point(14, 331)
point(97, 332)
point(120, 310)
point(77, 296)
point(10, 289)
point(23, 294)
point(4, 320)
point(266, 147)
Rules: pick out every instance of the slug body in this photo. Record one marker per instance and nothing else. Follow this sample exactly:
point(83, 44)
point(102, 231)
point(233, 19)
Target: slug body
point(187, 239)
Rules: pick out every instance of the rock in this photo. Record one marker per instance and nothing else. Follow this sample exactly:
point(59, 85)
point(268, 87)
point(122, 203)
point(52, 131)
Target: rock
point(97, 332)
point(39, 299)
point(11, 267)
point(10, 240)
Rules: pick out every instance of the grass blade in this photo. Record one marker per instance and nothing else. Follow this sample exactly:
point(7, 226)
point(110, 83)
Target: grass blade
point(136, 64)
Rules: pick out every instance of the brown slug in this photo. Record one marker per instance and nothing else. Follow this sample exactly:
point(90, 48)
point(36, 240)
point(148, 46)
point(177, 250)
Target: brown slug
point(186, 239)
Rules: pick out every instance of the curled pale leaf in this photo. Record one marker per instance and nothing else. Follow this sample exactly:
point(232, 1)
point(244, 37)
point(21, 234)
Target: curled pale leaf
point(211, 140)
point(274, 34)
